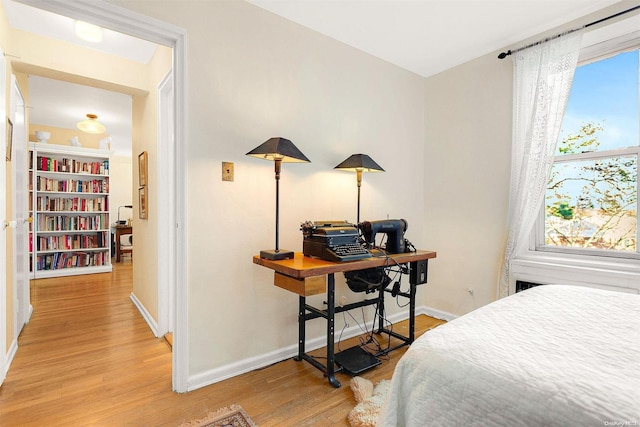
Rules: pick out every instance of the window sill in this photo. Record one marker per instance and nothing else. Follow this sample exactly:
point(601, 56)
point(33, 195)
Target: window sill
point(617, 274)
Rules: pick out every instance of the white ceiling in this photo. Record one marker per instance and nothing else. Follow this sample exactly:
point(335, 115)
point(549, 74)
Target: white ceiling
point(49, 24)
point(61, 104)
point(430, 36)
point(423, 36)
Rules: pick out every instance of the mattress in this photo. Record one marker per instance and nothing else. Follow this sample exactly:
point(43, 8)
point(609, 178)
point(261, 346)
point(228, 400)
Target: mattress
point(548, 356)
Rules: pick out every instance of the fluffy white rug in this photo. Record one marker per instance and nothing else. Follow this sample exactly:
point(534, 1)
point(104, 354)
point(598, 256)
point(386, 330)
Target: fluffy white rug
point(370, 401)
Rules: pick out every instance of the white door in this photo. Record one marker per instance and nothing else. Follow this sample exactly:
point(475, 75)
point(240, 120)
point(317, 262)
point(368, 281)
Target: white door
point(3, 213)
point(20, 176)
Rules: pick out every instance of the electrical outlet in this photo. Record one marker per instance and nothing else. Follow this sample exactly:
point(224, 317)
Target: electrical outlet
point(227, 171)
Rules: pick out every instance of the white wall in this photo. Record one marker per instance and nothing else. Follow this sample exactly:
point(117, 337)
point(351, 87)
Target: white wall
point(120, 187)
point(467, 166)
point(253, 75)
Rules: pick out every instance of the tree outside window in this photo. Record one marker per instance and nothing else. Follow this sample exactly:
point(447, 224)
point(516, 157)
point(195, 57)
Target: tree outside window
point(592, 193)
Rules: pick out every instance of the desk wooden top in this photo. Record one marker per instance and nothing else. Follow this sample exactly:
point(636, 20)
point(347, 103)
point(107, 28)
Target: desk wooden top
point(122, 227)
point(302, 266)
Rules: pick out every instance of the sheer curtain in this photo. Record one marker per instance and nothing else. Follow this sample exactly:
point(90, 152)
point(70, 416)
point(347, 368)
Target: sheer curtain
point(542, 77)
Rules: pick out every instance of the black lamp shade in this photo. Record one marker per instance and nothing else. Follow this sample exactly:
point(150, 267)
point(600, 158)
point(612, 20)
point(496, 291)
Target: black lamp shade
point(278, 148)
point(361, 162)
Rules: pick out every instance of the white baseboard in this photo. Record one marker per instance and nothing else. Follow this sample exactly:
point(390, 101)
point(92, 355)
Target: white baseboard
point(433, 312)
point(28, 319)
point(240, 367)
point(13, 349)
point(222, 373)
point(153, 325)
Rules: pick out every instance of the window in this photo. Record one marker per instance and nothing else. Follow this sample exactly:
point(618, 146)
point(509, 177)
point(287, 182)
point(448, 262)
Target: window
point(591, 201)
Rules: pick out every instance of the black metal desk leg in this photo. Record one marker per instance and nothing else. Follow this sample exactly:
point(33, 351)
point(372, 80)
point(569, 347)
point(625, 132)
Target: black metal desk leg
point(380, 310)
point(301, 328)
point(331, 312)
point(412, 312)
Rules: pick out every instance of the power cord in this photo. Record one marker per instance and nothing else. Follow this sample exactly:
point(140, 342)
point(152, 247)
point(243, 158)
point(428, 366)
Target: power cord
point(346, 325)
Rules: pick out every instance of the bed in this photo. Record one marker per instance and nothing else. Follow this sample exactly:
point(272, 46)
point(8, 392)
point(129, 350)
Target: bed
point(549, 356)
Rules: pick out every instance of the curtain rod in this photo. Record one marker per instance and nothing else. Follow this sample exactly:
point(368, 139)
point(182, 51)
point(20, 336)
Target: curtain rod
point(510, 52)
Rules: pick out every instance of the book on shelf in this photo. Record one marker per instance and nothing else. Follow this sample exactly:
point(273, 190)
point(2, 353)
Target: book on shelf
point(69, 165)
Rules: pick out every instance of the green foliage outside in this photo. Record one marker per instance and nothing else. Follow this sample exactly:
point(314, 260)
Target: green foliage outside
point(591, 203)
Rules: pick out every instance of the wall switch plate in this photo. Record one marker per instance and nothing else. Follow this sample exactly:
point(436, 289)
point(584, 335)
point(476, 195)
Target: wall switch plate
point(227, 171)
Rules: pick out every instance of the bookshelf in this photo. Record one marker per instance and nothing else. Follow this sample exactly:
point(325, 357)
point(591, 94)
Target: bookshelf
point(69, 206)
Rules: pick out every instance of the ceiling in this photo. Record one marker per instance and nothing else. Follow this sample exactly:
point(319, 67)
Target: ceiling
point(61, 104)
point(430, 36)
point(47, 24)
point(422, 36)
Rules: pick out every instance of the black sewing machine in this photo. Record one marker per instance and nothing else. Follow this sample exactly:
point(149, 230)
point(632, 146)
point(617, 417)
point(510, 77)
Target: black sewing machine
point(332, 241)
point(394, 230)
point(376, 278)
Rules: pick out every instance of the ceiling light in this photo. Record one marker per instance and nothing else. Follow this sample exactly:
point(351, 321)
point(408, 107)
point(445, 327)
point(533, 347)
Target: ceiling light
point(91, 125)
point(89, 32)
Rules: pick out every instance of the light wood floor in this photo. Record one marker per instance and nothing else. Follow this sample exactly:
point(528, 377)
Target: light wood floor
point(87, 358)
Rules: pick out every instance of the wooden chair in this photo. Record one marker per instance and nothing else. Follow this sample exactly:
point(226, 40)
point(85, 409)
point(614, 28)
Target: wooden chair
point(126, 244)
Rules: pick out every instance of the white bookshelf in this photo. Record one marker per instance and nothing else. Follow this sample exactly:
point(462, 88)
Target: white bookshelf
point(69, 205)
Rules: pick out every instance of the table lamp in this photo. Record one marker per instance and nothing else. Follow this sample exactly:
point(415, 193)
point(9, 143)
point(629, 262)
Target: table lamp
point(123, 206)
point(359, 163)
point(280, 150)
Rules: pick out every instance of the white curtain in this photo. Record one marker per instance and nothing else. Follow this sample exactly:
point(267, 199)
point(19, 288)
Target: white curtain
point(542, 77)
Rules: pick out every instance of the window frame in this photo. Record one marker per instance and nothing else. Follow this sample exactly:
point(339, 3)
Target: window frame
point(594, 50)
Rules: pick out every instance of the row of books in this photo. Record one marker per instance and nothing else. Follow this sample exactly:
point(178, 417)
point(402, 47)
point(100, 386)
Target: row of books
point(95, 186)
point(73, 223)
point(60, 260)
point(50, 164)
point(72, 204)
point(72, 241)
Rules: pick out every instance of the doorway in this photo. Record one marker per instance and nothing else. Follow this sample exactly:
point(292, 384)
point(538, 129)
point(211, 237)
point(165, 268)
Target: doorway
point(172, 226)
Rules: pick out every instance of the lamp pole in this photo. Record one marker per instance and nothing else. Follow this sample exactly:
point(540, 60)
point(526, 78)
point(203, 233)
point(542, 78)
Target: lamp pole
point(359, 179)
point(277, 165)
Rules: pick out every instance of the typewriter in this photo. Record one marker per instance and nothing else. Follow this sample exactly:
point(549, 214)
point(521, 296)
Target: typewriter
point(332, 241)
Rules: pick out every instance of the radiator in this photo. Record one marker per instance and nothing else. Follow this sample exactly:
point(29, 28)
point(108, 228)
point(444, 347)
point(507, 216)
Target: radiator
point(522, 286)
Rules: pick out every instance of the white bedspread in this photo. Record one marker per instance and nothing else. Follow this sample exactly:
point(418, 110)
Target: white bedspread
point(549, 356)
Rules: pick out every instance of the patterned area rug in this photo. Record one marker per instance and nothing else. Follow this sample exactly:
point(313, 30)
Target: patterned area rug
point(233, 416)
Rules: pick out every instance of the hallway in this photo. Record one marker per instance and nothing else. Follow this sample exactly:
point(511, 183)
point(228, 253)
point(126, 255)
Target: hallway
point(87, 357)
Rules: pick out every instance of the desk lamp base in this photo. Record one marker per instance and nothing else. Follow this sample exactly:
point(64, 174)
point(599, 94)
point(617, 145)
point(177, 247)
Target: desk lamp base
point(276, 254)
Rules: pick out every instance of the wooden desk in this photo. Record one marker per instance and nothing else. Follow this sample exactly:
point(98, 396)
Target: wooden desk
point(120, 230)
point(305, 276)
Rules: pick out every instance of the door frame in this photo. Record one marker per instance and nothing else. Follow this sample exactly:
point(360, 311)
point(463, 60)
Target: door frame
point(144, 27)
point(22, 305)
